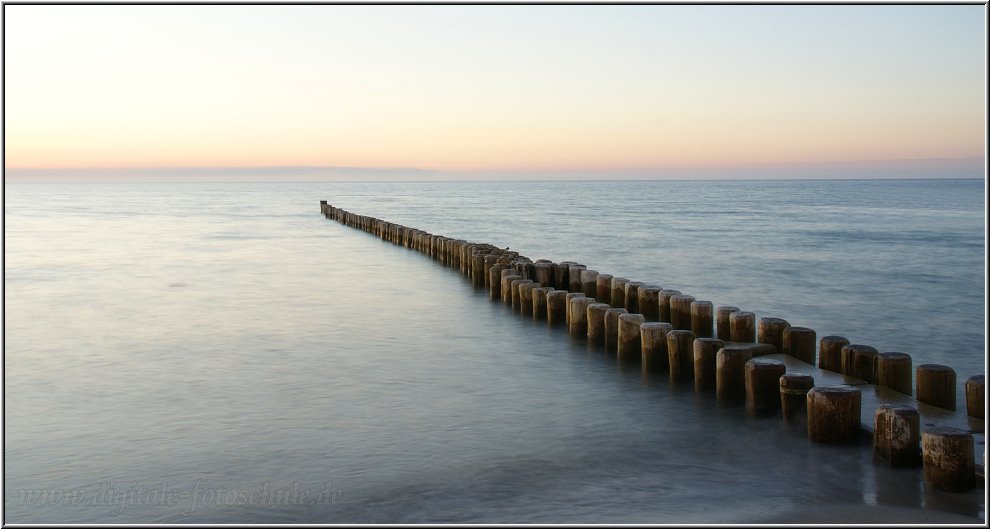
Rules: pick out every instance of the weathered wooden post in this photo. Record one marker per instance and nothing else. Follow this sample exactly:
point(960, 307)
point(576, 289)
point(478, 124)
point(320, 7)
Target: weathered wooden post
point(529, 270)
point(507, 280)
point(629, 341)
point(574, 277)
point(569, 297)
point(948, 459)
point(722, 331)
point(653, 343)
point(495, 281)
point(701, 318)
point(936, 385)
point(526, 298)
point(680, 311)
point(540, 302)
point(975, 396)
point(596, 322)
point(830, 353)
point(771, 331)
point(491, 260)
point(579, 315)
point(858, 361)
point(680, 354)
point(516, 292)
point(603, 288)
point(663, 303)
point(794, 389)
point(544, 273)
point(896, 435)
point(557, 307)
point(730, 374)
point(612, 327)
point(632, 296)
point(561, 272)
point(589, 282)
point(705, 351)
point(742, 327)
point(833, 414)
point(893, 370)
point(799, 342)
point(649, 302)
point(619, 292)
point(465, 254)
point(763, 385)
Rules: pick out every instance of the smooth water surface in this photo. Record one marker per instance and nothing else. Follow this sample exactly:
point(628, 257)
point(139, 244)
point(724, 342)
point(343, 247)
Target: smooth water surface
point(221, 353)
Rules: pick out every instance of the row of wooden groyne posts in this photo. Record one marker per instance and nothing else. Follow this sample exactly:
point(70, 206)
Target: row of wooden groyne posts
point(721, 349)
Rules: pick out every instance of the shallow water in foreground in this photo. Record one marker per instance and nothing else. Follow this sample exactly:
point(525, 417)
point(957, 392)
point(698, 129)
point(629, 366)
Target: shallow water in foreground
point(223, 335)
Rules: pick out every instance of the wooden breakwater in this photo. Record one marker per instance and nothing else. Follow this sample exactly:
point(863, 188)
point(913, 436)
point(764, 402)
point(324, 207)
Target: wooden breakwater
point(763, 364)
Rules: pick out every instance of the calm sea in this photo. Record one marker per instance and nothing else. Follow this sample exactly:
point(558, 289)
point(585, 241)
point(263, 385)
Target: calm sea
point(221, 353)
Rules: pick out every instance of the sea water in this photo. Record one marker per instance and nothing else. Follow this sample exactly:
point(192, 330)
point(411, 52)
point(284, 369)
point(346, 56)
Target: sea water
point(221, 353)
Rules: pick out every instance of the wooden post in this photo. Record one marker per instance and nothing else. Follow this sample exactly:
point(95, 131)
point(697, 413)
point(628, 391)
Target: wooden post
point(612, 327)
point(561, 272)
point(680, 355)
point(663, 303)
point(526, 298)
point(490, 261)
point(653, 338)
point(515, 287)
point(557, 307)
point(680, 311)
point(589, 282)
point(794, 389)
point(730, 374)
point(936, 385)
point(632, 296)
point(540, 302)
point(948, 459)
point(771, 331)
point(705, 350)
point(596, 322)
point(574, 277)
point(569, 297)
point(864, 364)
point(763, 385)
point(975, 400)
point(896, 435)
point(858, 361)
point(618, 297)
point(579, 315)
point(742, 327)
point(603, 288)
point(629, 341)
point(830, 353)
point(528, 269)
point(893, 370)
point(507, 280)
point(544, 273)
point(495, 281)
point(833, 414)
point(464, 258)
point(722, 322)
point(649, 302)
point(701, 318)
point(799, 342)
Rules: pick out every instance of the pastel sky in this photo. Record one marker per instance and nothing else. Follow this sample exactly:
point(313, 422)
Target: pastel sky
point(491, 88)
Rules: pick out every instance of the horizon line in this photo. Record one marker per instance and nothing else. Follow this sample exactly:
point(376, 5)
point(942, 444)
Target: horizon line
point(311, 168)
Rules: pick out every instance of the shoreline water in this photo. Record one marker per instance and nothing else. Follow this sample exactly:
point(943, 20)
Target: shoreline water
point(268, 345)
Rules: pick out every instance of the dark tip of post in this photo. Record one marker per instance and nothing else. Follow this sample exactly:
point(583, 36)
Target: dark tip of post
point(936, 385)
point(975, 396)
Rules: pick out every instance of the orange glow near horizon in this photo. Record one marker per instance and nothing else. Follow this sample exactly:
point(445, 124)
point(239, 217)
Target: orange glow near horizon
point(498, 88)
